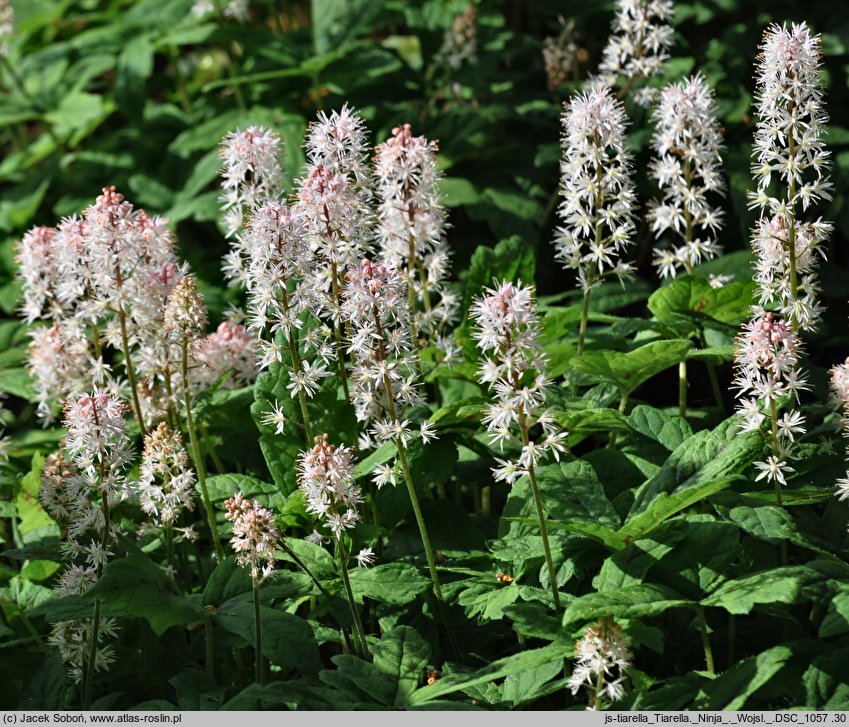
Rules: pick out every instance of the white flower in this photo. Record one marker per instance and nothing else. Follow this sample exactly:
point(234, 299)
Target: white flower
point(507, 328)
point(326, 477)
point(597, 190)
point(275, 418)
point(790, 167)
point(687, 167)
point(603, 648)
point(773, 470)
point(638, 46)
point(411, 224)
point(365, 558)
point(791, 424)
point(384, 475)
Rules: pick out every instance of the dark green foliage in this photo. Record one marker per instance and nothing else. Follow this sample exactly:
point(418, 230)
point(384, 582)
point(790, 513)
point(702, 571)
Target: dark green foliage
point(655, 519)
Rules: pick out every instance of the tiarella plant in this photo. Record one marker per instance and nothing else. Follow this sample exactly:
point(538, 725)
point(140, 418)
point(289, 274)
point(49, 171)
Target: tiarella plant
point(637, 48)
point(411, 228)
point(326, 478)
point(507, 330)
point(82, 489)
point(451, 472)
point(597, 210)
point(791, 166)
point(254, 540)
point(687, 168)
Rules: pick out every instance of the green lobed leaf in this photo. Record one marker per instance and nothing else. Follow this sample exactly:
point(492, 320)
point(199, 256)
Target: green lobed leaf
point(669, 431)
point(140, 587)
point(628, 370)
point(287, 640)
point(826, 687)
point(395, 583)
point(836, 619)
point(497, 669)
point(695, 297)
point(779, 585)
point(636, 601)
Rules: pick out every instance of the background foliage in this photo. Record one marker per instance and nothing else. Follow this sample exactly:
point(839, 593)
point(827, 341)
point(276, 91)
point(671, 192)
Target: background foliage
point(139, 94)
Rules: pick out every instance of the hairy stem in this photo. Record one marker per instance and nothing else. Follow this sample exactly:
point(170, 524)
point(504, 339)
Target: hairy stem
point(128, 361)
point(259, 673)
point(543, 529)
point(296, 364)
point(359, 631)
point(431, 560)
point(198, 456)
point(585, 315)
point(700, 613)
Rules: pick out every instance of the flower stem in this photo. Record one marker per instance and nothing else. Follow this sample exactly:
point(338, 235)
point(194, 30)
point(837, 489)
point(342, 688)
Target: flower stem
point(359, 631)
point(198, 456)
point(585, 314)
point(682, 389)
point(431, 560)
point(337, 334)
point(296, 364)
point(95, 624)
point(543, 530)
point(773, 415)
point(260, 664)
point(700, 612)
point(92, 658)
point(791, 222)
point(128, 361)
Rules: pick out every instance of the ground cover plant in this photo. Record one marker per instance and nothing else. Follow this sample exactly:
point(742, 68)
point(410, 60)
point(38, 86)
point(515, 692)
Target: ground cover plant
point(432, 355)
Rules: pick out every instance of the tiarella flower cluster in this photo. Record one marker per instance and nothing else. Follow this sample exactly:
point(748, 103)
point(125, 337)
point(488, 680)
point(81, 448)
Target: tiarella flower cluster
point(411, 226)
point(687, 168)
point(250, 171)
point(62, 361)
point(767, 369)
point(166, 480)
point(598, 194)
point(7, 26)
point(460, 43)
point(73, 641)
point(791, 171)
point(79, 490)
point(326, 477)
point(229, 350)
point(184, 312)
point(506, 330)
point(38, 269)
point(238, 10)
point(278, 300)
point(839, 376)
point(334, 201)
point(603, 655)
point(384, 375)
point(560, 55)
point(638, 46)
point(98, 451)
point(254, 535)
point(103, 282)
